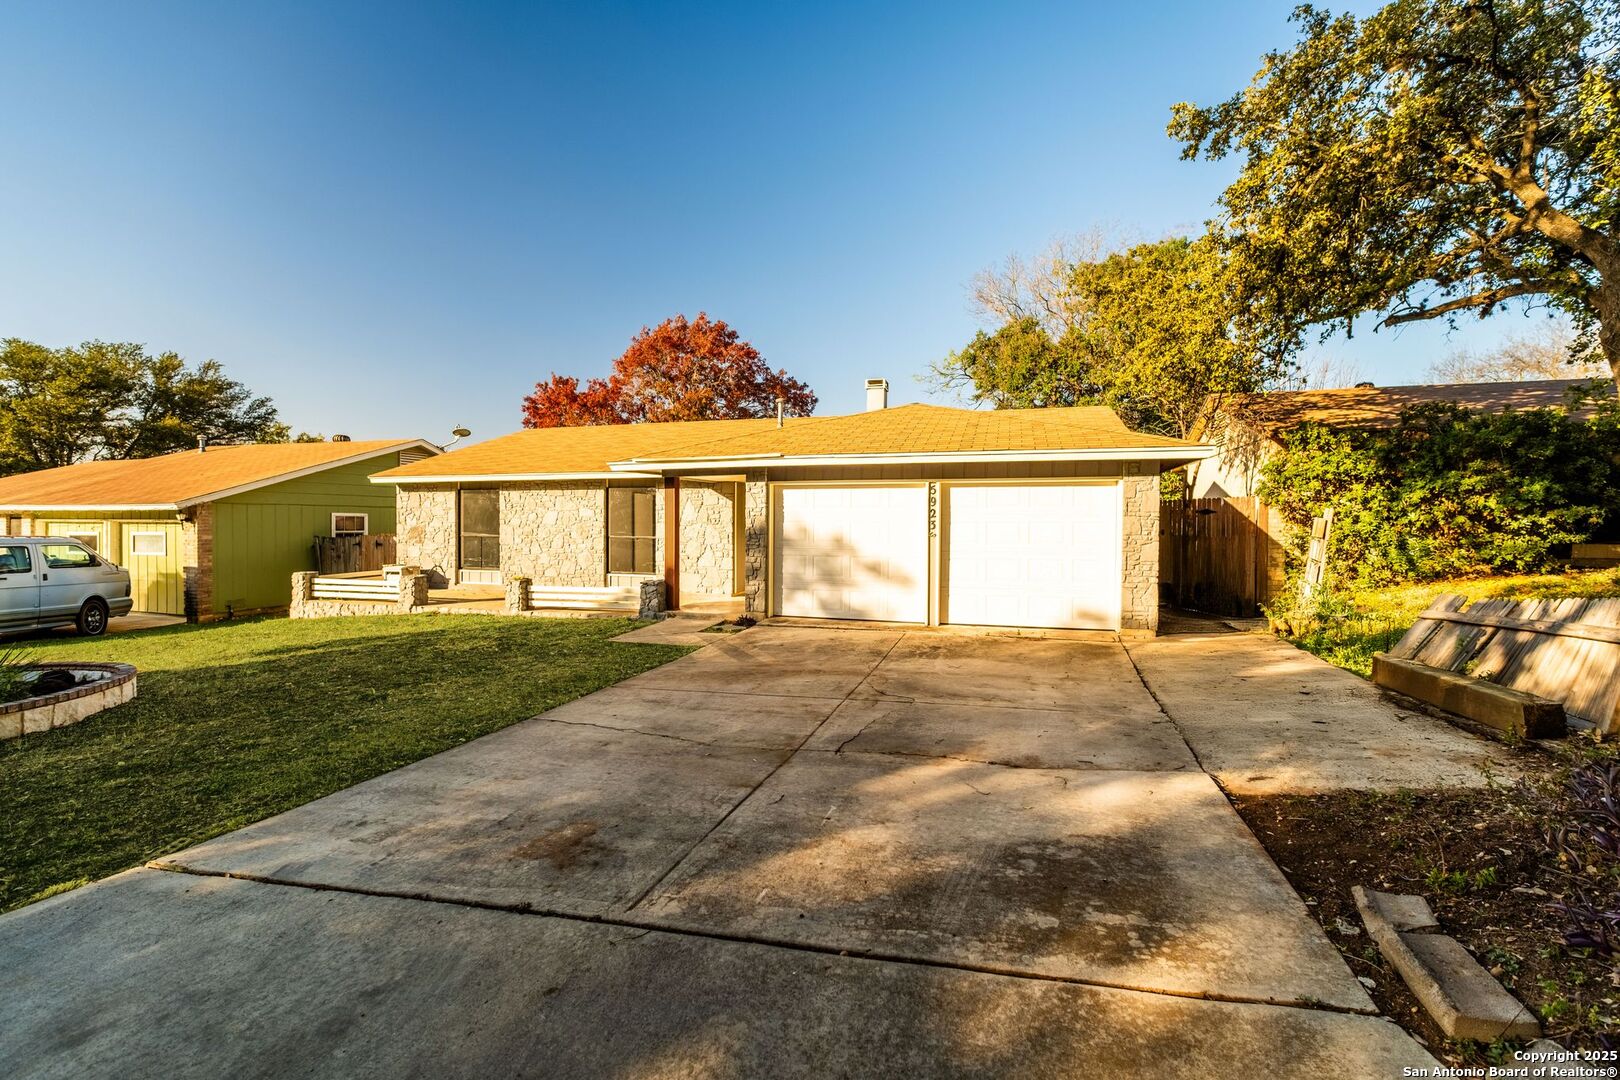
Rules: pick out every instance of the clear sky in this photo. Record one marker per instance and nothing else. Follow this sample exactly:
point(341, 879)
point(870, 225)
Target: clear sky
point(394, 218)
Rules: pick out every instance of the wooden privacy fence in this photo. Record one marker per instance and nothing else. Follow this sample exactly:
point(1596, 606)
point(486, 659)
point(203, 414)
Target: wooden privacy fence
point(1562, 650)
point(353, 554)
point(1222, 556)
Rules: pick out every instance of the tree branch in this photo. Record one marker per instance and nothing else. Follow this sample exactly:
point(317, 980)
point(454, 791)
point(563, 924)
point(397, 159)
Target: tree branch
point(1485, 299)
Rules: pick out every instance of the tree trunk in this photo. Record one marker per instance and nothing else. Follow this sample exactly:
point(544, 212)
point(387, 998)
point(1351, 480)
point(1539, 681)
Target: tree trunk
point(1606, 303)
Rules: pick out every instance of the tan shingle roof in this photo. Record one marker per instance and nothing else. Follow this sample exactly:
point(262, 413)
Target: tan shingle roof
point(1379, 406)
point(180, 478)
point(906, 429)
point(573, 450)
point(931, 429)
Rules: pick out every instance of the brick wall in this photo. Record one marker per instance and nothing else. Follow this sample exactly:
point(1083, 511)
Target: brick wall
point(197, 551)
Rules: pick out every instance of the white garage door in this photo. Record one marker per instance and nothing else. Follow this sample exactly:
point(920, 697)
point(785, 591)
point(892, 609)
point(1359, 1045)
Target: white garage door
point(852, 553)
point(1035, 555)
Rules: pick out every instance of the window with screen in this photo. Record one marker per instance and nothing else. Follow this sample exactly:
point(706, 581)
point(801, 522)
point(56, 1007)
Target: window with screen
point(631, 532)
point(481, 529)
point(66, 556)
point(350, 524)
point(148, 543)
point(15, 560)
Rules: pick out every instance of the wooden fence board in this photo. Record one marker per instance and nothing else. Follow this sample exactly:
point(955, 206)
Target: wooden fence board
point(353, 554)
point(1222, 556)
point(1566, 650)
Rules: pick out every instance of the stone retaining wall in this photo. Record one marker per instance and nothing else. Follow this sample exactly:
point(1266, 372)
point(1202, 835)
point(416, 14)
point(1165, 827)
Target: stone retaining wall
point(31, 715)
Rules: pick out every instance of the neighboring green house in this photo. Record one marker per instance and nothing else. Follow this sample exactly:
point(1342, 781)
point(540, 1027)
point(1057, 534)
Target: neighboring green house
point(218, 530)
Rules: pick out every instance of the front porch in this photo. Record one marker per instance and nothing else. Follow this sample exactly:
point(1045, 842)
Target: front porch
point(407, 591)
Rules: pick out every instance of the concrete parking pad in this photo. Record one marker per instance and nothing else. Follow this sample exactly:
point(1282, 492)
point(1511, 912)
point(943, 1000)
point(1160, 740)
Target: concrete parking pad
point(767, 722)
point(1011, 672)
point(777, 662)
point(1076, 738)
point(1139, 880)
point(158, 975)
point(550, 816)
point(1267, 718)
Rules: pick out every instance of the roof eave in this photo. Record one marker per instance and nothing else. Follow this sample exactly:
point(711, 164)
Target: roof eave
point(79, 508)
point(485, 478)
point(1179, 455)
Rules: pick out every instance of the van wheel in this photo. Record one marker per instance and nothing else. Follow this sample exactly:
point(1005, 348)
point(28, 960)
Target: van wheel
point(92, 620)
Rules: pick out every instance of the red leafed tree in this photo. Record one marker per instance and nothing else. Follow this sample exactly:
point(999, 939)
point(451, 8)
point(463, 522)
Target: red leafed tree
point(678, 370)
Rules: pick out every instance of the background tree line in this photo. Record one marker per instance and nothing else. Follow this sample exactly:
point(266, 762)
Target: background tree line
point(104, 400)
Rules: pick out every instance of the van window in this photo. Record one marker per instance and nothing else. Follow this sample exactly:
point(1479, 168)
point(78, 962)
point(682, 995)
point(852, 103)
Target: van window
point(15, 560)
point(66, 556)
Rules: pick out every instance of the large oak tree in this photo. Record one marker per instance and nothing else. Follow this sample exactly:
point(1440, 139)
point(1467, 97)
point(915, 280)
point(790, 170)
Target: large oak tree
point(1437, 158)
point(681, 369)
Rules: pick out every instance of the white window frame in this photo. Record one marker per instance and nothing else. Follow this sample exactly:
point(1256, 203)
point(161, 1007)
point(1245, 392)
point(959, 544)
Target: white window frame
point(161, 534)
point(365, 523)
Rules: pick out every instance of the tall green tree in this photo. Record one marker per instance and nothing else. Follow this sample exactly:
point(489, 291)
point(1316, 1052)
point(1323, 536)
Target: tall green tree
point(1438, 158)
point(113, 400)
point(1152, 331)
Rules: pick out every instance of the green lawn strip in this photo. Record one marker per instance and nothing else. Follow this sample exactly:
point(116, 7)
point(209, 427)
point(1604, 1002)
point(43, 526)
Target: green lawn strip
point(1368, 620)
point(237, 721)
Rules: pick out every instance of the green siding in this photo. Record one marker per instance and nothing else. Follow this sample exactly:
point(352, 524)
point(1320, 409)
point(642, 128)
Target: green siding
point(261, 537)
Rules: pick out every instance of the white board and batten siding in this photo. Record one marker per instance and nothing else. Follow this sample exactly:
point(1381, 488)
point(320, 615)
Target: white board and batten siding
point(1035, 555)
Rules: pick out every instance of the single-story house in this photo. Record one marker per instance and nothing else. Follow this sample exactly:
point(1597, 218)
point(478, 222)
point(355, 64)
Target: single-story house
point(916, 514)
point(1249, 428)
point(217, 530)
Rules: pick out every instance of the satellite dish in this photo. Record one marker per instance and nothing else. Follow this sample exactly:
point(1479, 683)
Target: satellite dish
point(460, 432)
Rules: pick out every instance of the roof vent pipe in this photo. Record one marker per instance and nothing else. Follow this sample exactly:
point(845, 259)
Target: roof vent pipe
point(877, 394)
point(202, 444)
point(781, 404)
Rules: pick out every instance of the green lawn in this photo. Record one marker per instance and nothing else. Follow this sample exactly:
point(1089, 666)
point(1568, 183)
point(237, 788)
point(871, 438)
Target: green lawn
point(1372, 620)
point(237, 721)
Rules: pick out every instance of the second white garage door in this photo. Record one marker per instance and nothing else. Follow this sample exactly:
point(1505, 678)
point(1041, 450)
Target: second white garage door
point(1032, 555)
point(852, 552)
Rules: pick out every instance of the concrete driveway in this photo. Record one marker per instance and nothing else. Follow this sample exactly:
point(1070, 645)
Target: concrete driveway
point(795, 852)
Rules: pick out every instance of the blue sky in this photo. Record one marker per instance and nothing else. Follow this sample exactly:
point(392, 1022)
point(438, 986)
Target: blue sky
point(395, 218)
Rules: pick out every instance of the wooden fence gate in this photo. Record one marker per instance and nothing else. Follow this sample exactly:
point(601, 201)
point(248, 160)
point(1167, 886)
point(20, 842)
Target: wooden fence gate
point(1223, 556)
point(353, 554)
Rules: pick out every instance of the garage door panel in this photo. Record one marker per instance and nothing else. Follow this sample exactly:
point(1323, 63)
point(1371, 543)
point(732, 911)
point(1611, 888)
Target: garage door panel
point(853, 552)
point(1032, 555)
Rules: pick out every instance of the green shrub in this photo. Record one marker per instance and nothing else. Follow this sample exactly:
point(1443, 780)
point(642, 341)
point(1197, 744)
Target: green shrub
point(1447, 492)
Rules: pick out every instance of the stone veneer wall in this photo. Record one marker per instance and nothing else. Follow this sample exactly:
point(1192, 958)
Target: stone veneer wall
point(708, 539)
point(756, 525)
point(1139, 611)
point(555, 533)
point(425, 529)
